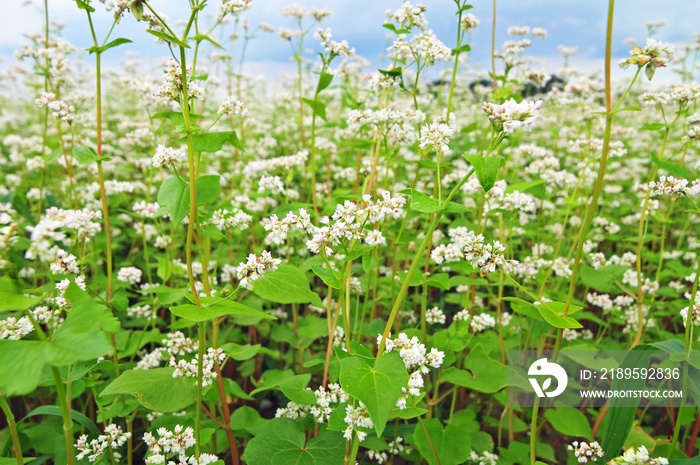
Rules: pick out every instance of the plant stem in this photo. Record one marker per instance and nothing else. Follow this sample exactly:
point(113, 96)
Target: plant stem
point(13, 428)
point(533, 432)
point(64, 403)
point(598, 186)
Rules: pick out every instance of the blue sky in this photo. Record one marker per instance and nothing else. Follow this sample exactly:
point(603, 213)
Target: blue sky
point(571, 23)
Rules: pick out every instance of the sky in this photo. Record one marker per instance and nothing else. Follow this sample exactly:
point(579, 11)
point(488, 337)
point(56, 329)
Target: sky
point(568, 22)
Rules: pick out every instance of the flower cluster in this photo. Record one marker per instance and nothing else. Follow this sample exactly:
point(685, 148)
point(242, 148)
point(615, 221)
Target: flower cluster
point(322, 409)
point(437, 136)
point(511, 115)
point(469, 22)
point(424, 48)
point(654, 55)
point(60, 110)
point(130, 274)
point(466, 245)
point(171, 88)
point(183, 368)
point(167, 156)
point(113, 437)
point(172, 443)
point(355, 418)
point(14, 329)
point(232, 106)
point(586, 452)
point(639, 457)
point(417, 360)
point(674, 187)
point(256, 267)
point(225, 220)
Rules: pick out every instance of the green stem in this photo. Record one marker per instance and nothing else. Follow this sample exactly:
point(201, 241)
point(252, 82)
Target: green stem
point(598, 186)
point(13, 428)
point(64, 403)
point(533, 432)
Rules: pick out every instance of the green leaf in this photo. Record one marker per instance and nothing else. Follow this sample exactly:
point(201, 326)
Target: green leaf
point(604, 278)
point(451, 445)
point(167, 37)
point(286, 285)
point(207, 189)
point(84, 155)
point(439, 280)
point(462, 49)
point(84, 6)
point(11, 297)
point(570, 421)
point(155, 389)
point(421, 202)
point(324, 81)
point(620, 419)
point(21, 365)
point(174, 117)
point(214, 141)
point(55, 410)
point(294, 387)
point(486, 169)
point(670, 167)
point(174, 194)
point(327, 276)
point(112, 44)
point(393, 28)
point(166, 295)
point(552, 312)
point(378, 387)
point(217, 309)
point(319, 108)
point(240, 352)
point(484, 373)
point(283, 442)
point(652, 127)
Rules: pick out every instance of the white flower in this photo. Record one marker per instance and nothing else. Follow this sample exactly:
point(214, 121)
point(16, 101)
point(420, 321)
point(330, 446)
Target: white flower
point(232, 106)
point(512, 115)
point(167, 156)
point(256, 267)
point(130, 274)
point(437, 136)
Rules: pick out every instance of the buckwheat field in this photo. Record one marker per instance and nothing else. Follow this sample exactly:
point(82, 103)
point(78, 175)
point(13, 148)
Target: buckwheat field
point(200, 265)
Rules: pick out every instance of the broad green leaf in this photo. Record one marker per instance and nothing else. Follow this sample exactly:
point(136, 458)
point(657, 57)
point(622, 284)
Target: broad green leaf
point(286, 285)
point(216, 308)
point(319, 108)
point(482, 373)
point(327, 276)
point(155, 389)
point(421, 202)
point(604, 278)
point(550, 312)
point(486, 169)
point(283, 442)
point(207, 189)
point(294, 387)
point(55, 410)
point(569, 421)
point(324, 81)
point(21, 365)
point(240, 352)
point(451, 445)
point(12, 299)
point(84, 155)
point(378, 387)
point(166, 295)
point(174, 194)
point(439, 280)
point(214, 141)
